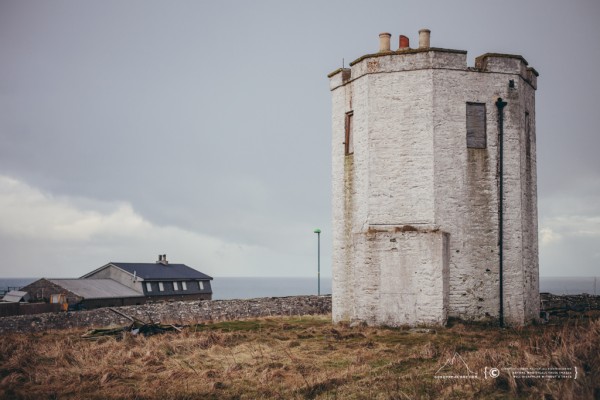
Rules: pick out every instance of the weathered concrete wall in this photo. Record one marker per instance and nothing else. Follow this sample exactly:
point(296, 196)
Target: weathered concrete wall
point(467, 195)
point(413, 277)
point(400, 149)
point(411, 166)
point(171, 312)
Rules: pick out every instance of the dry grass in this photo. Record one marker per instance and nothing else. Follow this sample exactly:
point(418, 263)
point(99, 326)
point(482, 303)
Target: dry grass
point(304, 357)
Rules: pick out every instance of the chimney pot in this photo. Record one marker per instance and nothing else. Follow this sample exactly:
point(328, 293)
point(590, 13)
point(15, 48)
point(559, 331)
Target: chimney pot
point(404, 43)
point(424, 38)
point(384, 42)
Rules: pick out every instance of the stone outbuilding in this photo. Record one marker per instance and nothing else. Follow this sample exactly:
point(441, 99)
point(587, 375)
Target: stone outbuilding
point(84, 293)
point(434, 187)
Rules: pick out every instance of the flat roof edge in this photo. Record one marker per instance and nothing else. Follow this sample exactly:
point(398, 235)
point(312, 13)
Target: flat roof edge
point(407, 51)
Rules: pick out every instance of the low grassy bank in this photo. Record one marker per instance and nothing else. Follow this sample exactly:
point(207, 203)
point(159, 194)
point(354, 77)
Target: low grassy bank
point(301, 357)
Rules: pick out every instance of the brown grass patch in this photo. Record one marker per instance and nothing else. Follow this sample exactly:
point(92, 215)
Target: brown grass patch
point(301, 358)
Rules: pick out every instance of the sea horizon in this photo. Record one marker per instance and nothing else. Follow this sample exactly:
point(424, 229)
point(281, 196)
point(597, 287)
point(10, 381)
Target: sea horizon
point(240, 287)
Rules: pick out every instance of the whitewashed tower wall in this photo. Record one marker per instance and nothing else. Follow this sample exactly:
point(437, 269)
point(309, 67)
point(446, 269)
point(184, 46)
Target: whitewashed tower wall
point(415, 212)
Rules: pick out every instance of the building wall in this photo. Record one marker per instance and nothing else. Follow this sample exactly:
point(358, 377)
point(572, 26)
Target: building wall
point(193, 289)
point(182, 297)
point(411, 168)
point(117, 274)
point(401, 276)
point(42, 289)
point(90, 304)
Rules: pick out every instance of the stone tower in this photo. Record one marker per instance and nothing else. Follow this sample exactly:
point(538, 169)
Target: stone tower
point(434, 187)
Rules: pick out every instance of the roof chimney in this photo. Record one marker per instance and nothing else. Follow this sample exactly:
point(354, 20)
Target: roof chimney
point(424, 38)
point(162, 259)
point(404, 43)
point(384, 42)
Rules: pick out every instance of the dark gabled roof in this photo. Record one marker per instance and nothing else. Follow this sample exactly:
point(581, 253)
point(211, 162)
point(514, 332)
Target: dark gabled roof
point(157, 271)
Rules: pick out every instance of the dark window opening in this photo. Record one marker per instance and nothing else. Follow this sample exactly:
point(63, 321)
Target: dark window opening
point(476, 126)
point(349, 143)
point(527, 136)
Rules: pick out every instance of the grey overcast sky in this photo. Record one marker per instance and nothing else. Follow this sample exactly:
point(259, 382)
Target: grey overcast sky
point(202, 129)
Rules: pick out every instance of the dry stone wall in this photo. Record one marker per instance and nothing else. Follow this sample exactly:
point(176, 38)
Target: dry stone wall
point(561, 306)
point(177, 312)
point(181, 312)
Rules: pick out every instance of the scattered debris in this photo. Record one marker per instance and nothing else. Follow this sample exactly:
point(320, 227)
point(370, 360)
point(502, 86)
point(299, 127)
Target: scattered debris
point(137, 327)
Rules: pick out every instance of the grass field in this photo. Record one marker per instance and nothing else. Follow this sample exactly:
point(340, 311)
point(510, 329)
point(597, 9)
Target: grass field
point(303, 357)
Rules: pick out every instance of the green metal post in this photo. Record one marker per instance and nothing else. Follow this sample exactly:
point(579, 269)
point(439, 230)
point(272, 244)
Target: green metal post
point(318, 232)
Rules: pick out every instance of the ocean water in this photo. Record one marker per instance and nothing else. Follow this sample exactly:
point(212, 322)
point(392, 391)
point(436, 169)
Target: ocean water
point(246, 288)
point(233, 288)
point(14, 283)
point(570, 284)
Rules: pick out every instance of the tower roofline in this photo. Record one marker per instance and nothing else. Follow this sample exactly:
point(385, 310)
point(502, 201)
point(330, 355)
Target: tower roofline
point(480, 61)
point(406, 51)
point(427, 57)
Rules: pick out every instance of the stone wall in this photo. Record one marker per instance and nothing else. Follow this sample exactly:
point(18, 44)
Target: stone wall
point(221, 310)
point(43, 288)
point(176, 312)
point(561, 306)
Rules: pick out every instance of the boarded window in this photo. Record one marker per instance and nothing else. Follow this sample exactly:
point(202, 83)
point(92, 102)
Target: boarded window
point(175, 286)
point(349, 143)
point(476, 137)
point(184, 285)
point(161, 287)
point(201, 285)
point(148, 287)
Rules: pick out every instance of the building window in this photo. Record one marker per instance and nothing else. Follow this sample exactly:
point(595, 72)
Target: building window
point(175, 286)
point(476, 135)
point(184, 285)
point(527, 136)
point(349, 143)
point(201, 285)
point(148, 287)
point(161, 287)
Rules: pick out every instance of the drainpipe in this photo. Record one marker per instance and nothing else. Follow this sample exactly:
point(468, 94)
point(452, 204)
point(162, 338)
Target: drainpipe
point(500, 105)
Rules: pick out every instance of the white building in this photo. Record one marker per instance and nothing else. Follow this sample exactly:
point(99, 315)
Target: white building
point(417, 184)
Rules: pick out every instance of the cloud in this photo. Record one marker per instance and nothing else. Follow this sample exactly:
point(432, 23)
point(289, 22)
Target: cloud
point(548, 236)
point(29, 213)
point(570, 230)
point(573, 226)
point(73, 235)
